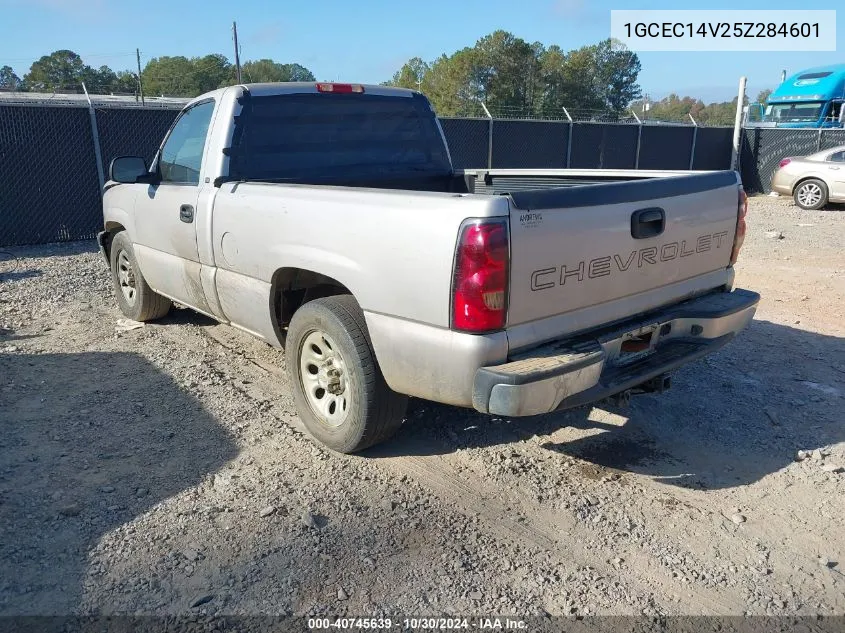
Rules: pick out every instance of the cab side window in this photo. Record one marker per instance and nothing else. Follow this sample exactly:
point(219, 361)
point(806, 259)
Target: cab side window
point(181, 156)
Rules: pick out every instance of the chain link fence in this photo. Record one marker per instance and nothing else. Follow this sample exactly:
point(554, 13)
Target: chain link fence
point(763, 148)
point(469, 141)
point(51, 187)
point(49, 175)
point(51, 192)
point(520, 143)
point(132, 132)
point(529, 144)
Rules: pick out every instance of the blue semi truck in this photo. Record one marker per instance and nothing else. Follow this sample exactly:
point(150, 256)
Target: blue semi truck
point(811, 98)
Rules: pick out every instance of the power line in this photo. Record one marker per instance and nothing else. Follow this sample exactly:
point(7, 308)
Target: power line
point(81, 55)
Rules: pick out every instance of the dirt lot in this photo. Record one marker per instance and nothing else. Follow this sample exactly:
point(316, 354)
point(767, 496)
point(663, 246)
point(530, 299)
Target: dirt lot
point(163, 470)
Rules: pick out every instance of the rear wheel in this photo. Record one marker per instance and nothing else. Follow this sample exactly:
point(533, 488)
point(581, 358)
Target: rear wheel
point(135, 298)
point(339, 390)
point(810, 194)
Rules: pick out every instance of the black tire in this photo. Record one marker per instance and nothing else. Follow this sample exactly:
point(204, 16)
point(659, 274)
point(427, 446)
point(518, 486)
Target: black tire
point(374, 411)
point(141, 303)
point(810, 194)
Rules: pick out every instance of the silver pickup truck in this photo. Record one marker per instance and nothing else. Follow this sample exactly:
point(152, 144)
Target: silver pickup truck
point(327, 219)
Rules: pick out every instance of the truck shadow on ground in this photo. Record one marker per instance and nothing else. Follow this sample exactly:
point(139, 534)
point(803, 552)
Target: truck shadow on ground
point(12, 270)
point(728, 420)
point(88, 441)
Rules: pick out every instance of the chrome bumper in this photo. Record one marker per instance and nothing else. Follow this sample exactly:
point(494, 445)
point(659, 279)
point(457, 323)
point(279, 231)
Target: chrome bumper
point(565, 374)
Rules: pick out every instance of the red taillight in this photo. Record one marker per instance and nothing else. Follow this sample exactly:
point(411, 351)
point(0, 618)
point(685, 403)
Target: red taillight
point(784, 162)
point(339, 88)
point(480, 283)
point(739, 237)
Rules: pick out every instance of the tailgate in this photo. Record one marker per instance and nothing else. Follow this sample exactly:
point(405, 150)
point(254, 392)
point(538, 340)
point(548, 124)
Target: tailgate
point(576, 247)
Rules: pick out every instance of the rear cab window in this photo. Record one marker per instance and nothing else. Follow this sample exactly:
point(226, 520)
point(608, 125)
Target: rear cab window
point(310, 136)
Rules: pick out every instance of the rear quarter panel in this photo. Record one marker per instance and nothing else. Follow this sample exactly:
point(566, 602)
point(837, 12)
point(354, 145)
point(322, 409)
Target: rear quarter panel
point(392, 249)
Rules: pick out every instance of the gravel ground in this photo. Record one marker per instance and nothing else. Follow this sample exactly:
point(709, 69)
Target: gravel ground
point(163, 470)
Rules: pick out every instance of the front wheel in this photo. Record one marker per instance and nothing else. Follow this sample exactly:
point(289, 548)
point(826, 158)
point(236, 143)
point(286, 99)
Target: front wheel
point(135, 298)
point(339, 390)
point(810, 194)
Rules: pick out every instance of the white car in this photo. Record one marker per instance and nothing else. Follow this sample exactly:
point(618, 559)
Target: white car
point(812, 180)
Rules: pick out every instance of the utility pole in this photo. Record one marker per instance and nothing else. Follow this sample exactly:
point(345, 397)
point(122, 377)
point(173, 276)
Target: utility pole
point(140, 85)
point(237, 53)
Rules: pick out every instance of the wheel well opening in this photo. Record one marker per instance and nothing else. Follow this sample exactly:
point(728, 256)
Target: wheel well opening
point(802, 181)
point(292, 287)
point(112, 229)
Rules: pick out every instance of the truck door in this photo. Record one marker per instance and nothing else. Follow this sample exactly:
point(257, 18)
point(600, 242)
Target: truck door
point(166, 212)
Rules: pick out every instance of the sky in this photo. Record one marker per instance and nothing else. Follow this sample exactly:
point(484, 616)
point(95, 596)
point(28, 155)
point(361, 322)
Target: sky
point(368, 40)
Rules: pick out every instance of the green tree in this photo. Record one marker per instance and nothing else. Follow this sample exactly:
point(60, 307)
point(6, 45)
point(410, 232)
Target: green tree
point(552, 89)
point(126, 82)
point(505, 71)
point(411, 75)
point(267, 70)
point(675, 108)
point(61, 70)
point(183, 77)
point(514, 77)
point(763, 95)
point(98, 81)
point(212, 72)
point(170, 76)
point(580, 81)
point(9, 80)
point(296, 72)
point(261, 71)
point(722, 113)
point(449, 85)
point(617, 70)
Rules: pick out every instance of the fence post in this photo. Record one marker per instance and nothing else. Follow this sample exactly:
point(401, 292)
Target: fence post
point(819, 141)
point(489, 136)
point(694, 138)
point(740, 103)
point(639, 140)
point(569, 138)
point(95, 135)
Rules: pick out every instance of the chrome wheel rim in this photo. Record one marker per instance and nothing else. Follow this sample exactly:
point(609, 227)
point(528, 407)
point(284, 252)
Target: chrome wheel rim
point(126, 278)
point(809, 194)
point(324, 379)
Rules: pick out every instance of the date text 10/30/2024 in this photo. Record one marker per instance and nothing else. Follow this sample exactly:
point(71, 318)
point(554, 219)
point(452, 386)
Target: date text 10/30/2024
point(419, 624)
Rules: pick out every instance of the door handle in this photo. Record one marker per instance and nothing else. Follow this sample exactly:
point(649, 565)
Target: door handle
point(186, 213)
point(832, 167)
point(648, 222)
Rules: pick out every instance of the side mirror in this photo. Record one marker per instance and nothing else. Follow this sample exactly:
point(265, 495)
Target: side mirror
point(128, 169)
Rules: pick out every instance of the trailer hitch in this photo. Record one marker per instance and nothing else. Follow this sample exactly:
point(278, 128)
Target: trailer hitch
point(658, 384)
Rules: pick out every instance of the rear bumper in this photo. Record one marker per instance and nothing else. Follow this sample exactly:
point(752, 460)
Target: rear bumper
point(781, 183)
point(565, 374)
